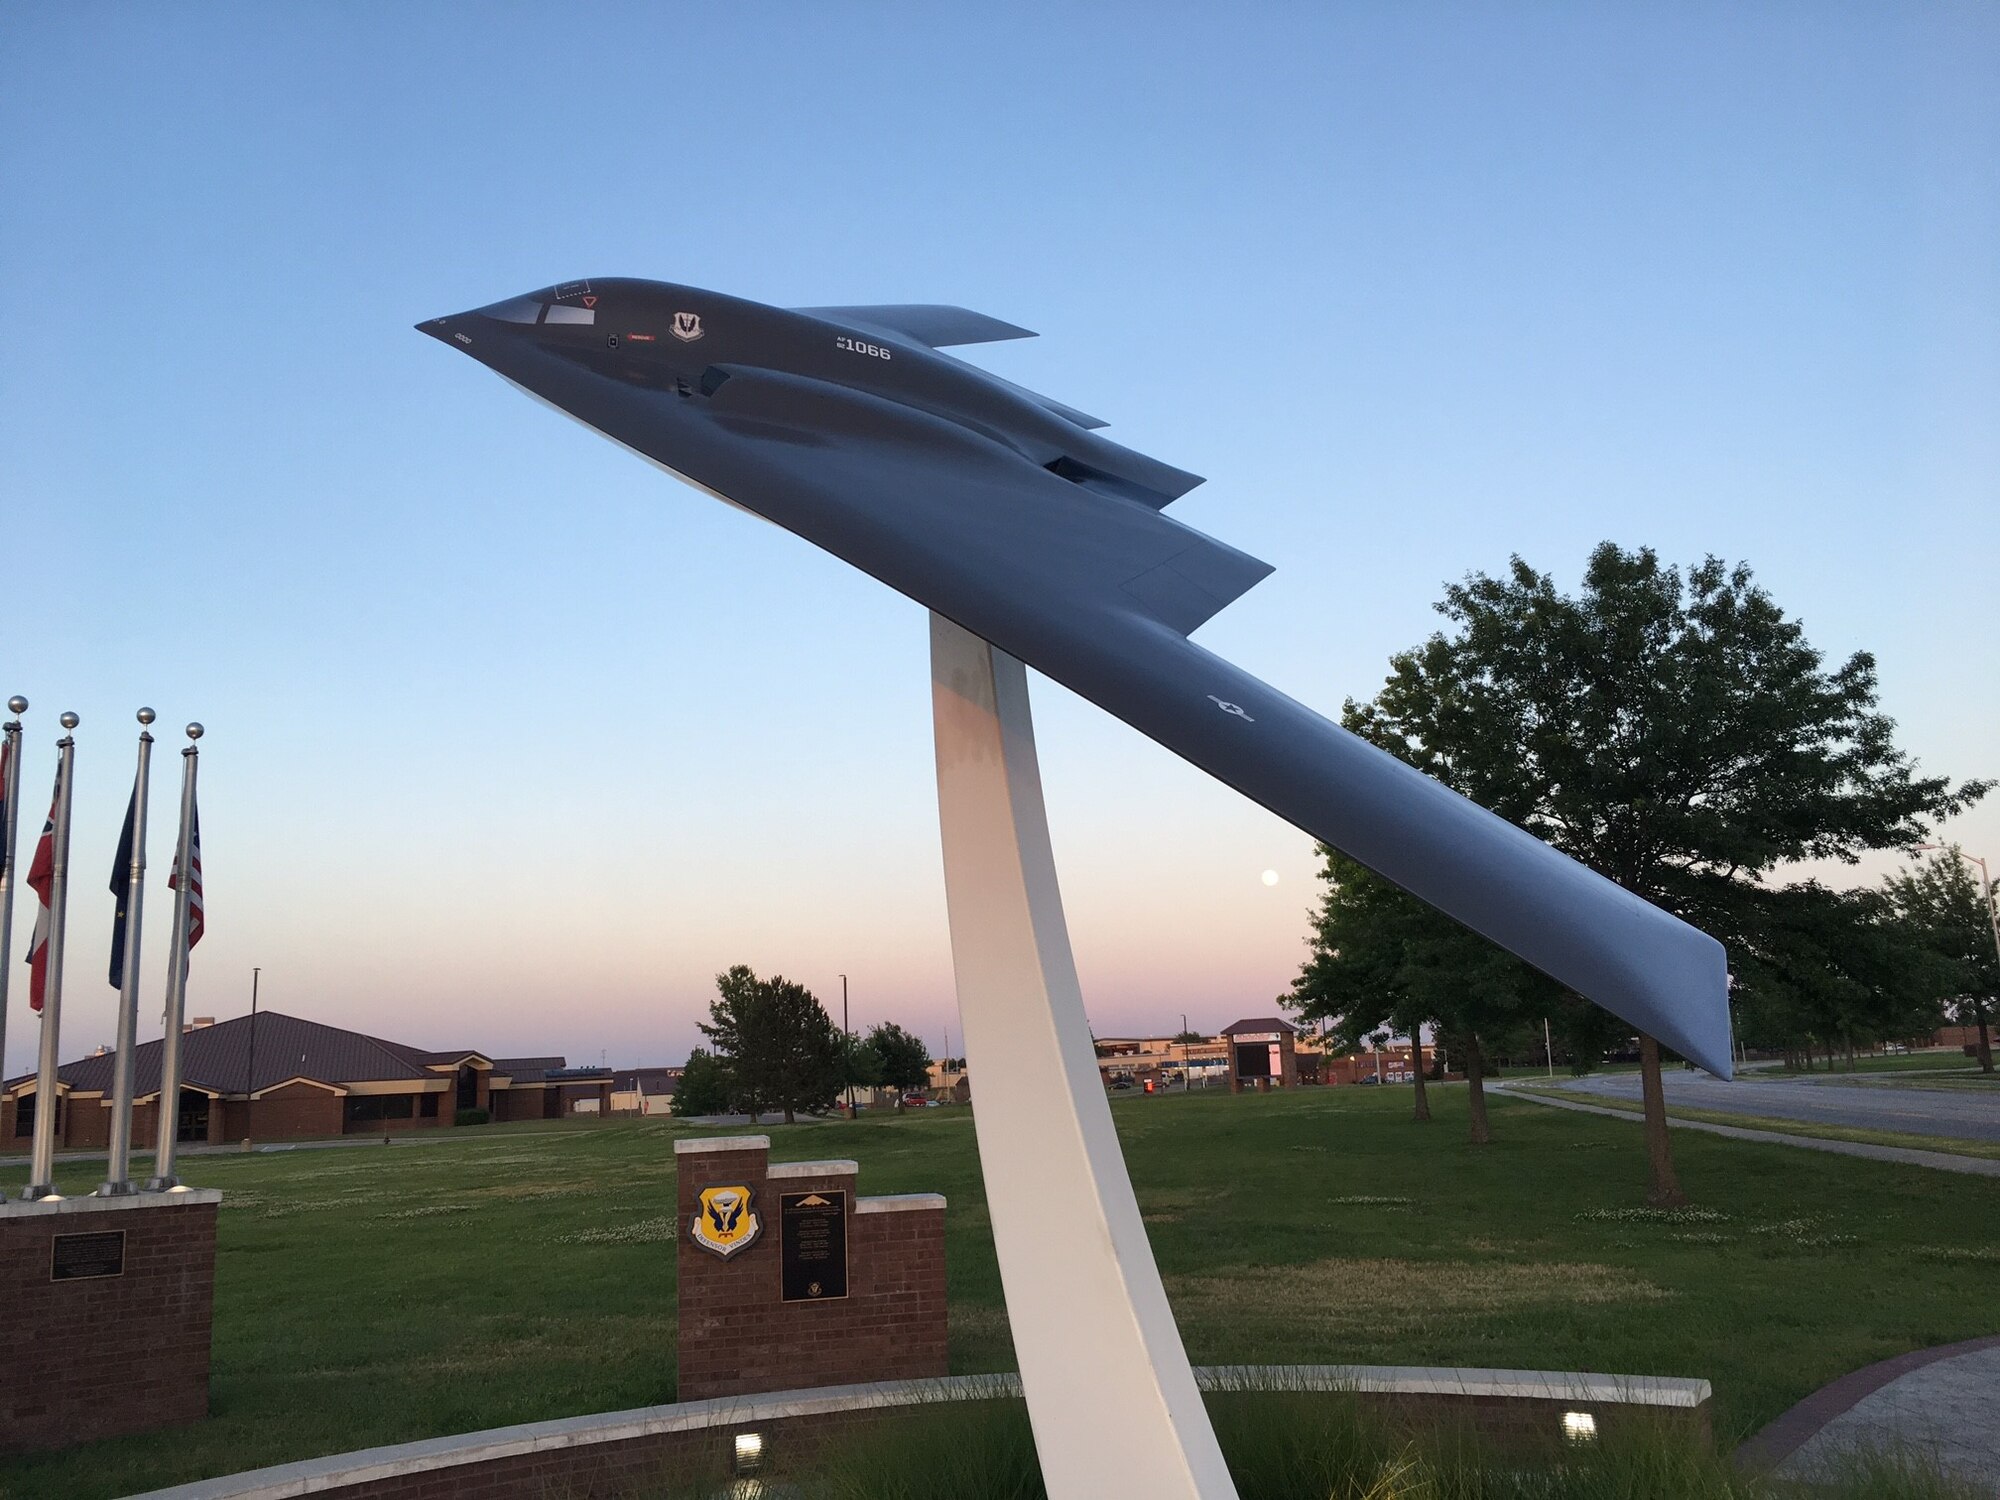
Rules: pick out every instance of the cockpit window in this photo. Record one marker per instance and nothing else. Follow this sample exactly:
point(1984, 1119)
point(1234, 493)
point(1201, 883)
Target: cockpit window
point(520, 310)
point(561, 313)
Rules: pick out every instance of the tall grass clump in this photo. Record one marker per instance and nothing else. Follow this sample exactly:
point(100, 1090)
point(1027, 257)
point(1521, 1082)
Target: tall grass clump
point(1315, 1445)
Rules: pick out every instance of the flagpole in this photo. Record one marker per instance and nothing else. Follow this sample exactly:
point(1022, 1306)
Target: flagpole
point(118, 1174)
point(42, 1166)
point(10, 795)
point(177, 966)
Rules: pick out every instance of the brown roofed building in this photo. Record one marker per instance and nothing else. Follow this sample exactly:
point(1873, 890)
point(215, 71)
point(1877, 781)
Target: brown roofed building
point(1263, 1052)
point(275, 1077)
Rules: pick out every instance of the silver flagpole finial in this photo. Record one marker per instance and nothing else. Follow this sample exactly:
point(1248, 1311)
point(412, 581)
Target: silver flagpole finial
point(17, 704)
point(146, 716)
point(69, 721)
point(194, 731)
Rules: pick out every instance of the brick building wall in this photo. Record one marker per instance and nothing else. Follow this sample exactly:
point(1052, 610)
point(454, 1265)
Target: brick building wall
point(87, 1123)
point(288, 1112)
point(84, 1124)
point(92, 1126)
point(738, 1336)
point(102, 1355)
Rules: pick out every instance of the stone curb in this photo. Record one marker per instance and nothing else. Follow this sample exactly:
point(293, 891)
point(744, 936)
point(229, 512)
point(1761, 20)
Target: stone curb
point(90, 1203)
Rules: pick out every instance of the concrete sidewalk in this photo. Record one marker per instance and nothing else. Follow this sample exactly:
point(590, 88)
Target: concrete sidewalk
point(1943, 1161)
point(1938, 1404)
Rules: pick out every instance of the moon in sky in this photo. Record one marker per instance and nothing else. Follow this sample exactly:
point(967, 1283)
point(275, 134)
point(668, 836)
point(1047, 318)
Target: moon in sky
point(1270, 877)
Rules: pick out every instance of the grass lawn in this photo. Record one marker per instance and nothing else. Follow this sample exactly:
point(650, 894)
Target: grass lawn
point(369, 1295)
point(1890, 1062)
point(1921, 1078)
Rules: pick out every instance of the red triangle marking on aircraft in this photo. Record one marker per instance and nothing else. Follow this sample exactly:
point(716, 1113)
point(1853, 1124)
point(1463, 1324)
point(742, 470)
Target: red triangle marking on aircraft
point(590, 302)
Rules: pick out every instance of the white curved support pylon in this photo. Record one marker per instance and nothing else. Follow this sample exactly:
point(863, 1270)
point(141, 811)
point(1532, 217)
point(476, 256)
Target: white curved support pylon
point(1110, 1395)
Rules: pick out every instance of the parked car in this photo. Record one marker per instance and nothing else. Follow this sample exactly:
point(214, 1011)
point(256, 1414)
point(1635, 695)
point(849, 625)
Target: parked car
point(1121, 1083)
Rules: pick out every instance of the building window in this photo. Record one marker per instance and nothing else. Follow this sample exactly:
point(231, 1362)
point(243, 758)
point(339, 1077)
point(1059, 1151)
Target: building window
point(468, 1088)
point(24, 1115)
point(365, 1109)
point(428, 1107)
point(191, 1124)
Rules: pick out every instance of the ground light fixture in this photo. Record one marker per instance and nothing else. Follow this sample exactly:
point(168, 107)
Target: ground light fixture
point(749, 1452)
point(1578, 1427)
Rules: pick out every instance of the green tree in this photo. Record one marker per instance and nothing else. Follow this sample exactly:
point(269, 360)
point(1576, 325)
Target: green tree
point(1831, 968)
point(860, 1067)
point(704, 1086)
point(1381, 957)
point(1672, 729)
point(904, 1061)
point(1956, 917)
point(781, 1048)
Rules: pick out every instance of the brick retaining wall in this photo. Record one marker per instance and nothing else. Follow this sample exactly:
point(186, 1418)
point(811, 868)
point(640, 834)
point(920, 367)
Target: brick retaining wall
point(103, 1355)
point(738, 1337)
point(634, 1453)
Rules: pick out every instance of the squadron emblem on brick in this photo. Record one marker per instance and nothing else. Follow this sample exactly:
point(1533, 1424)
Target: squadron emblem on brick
point(725, 1220)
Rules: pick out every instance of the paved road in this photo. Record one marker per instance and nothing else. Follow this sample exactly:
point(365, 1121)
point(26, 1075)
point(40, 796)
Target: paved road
point(1968, 1116)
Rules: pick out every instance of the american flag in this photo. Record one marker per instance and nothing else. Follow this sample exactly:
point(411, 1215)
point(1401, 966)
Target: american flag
point(42, 879)
point(195, 923)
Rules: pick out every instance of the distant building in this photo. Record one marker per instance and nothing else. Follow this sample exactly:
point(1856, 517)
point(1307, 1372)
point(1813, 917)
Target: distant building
point(1392, 1064)
point(945, 1075)
point(1162, 1060)
point(274, 1077)
point(644, 1091)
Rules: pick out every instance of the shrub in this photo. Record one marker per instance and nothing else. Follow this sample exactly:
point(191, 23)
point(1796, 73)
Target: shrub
point(471, 1117)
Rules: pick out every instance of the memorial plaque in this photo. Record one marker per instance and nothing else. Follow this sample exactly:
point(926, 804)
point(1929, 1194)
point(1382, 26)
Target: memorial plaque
point(73, 1257)
point(812, 1245)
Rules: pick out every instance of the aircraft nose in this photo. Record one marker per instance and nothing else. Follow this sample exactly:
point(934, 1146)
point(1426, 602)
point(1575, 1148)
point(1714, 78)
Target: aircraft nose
point(458, 330)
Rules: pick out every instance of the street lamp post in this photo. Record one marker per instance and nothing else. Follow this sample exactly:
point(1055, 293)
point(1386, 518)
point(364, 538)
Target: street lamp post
point(1985, 887)
point(250, 1066)
point(847, 1060)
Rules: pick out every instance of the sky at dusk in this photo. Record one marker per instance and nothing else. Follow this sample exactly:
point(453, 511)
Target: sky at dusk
point(514, 743)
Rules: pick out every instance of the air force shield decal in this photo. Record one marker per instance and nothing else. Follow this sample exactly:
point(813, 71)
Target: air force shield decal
point(725, 1220)
point(687, 326)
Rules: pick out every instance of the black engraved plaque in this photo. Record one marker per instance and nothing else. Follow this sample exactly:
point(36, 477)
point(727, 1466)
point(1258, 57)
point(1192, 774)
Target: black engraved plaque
point(73, 1257)
point(812, 1245)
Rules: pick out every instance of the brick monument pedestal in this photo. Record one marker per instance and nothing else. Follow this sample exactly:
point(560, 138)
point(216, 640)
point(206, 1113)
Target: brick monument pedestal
point(803, 1283)
point(105, 1306)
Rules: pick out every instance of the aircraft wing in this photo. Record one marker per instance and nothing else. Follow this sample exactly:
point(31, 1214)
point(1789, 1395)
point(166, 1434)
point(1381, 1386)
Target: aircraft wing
point(934, 323)
point(1100, 593)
